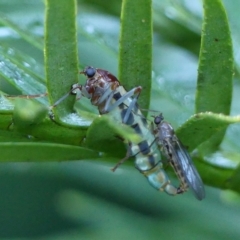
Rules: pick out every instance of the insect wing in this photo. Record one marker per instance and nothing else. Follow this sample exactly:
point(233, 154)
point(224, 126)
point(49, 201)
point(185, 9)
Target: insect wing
point(186, 165)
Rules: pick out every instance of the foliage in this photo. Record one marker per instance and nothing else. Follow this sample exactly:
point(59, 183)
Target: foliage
point(32, 63)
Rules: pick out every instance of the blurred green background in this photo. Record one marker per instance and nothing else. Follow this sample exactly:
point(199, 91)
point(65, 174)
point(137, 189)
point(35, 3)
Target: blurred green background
point(84, 199)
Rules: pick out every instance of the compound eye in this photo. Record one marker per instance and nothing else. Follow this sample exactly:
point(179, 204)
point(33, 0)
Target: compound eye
point(157, 120)
point(90, 72)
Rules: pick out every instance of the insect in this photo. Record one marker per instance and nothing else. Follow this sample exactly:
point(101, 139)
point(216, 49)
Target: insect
point(105, 91)
point(178, 158)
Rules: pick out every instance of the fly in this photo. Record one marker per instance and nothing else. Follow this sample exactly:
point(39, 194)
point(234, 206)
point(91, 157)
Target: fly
point(105, 91)
point(109, 96)
point(178, 158)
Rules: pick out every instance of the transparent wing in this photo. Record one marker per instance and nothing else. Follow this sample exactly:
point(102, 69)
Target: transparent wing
point(182, 158)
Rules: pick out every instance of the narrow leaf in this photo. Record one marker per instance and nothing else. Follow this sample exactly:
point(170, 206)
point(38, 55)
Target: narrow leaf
point(213, 175)
point(135, 49)
point(19, 79)
point(200, 127)
point(35, 41)
point(215, 72)
point(101, 137)
point(28, 112)
point(61, 52)
point(5, 119)
point(31, 152)
point(233, 181)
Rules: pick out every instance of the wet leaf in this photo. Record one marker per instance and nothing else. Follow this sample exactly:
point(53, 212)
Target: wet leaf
point(202, 126)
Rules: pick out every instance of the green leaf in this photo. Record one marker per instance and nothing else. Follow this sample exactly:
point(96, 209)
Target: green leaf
point(10, 136)
point(213, 175)
point(18, 69)
point(42, 152)
point(5, 120)
point(36, 41)
point(28, 112)
point(200, 127)
point(61, 52)
point(135, 48)
point(215, 72)
point(174, 89)
point(233, 181)
point(102, 137)
point(15, 75)
point(49, 130)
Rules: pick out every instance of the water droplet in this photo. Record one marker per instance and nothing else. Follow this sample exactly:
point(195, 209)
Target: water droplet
point(26, 64)
point(75, 119)
point(160, 80)
point(10, 51)
point(5, 104)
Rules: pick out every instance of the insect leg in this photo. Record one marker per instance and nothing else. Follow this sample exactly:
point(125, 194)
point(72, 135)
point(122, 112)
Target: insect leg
point(123, 98)
point(107, 104)
point(128, 155)
point(60, 100)
point(77, 90)
point(108, 94)
point(132, 105)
